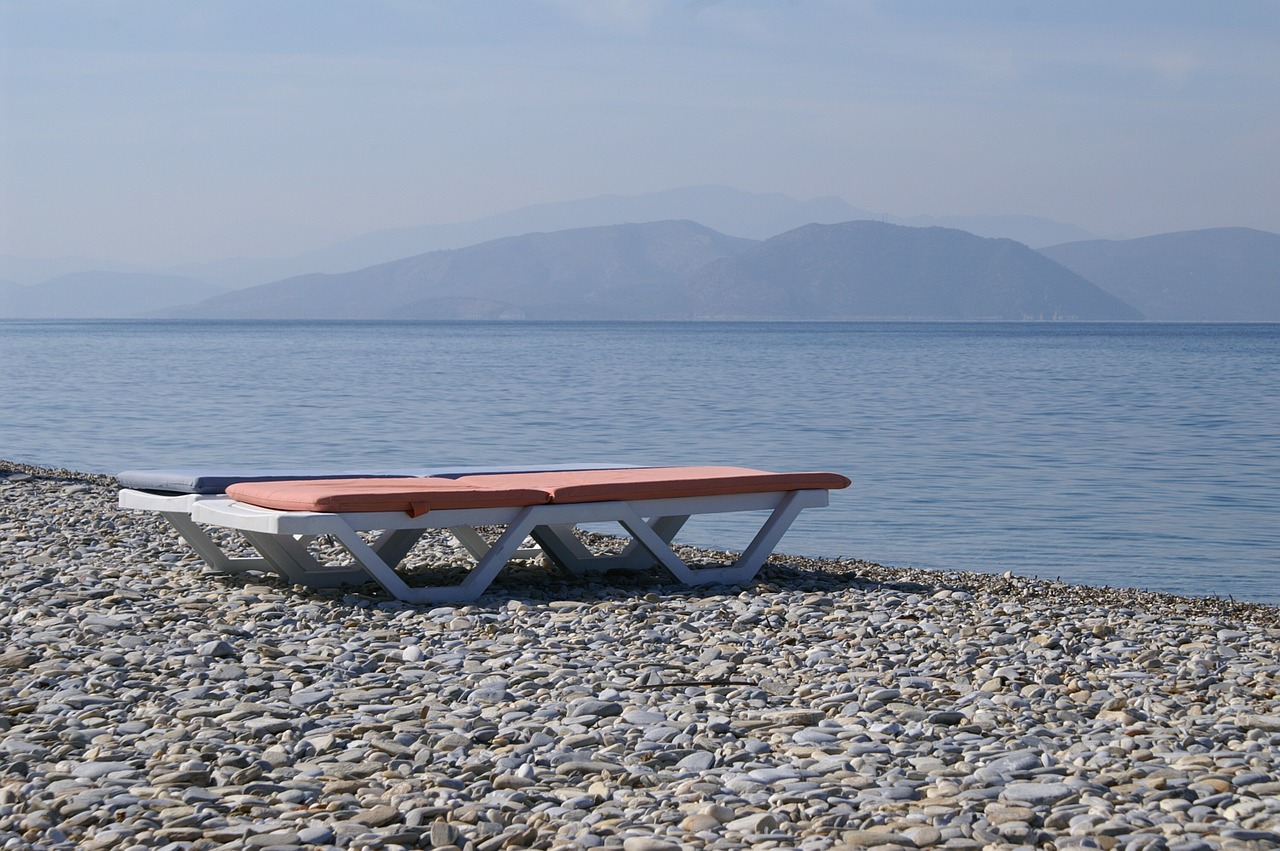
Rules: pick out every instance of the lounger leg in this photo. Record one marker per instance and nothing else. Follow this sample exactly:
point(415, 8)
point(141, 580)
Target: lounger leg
point(471, 540)
point(564, 548)
point(741, 571)
point(198, 539)
point(636, 557)
point(766, 540)
point(282, 558)
point(474, 543)
point(475, 583)
point(289, 557)
point(394, 544)
point(286, 557)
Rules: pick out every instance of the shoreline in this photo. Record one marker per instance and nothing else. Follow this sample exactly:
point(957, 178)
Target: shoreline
point(1246, 611)
point(833, 704)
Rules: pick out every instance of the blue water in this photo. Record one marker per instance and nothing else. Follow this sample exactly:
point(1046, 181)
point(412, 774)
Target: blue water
point(1143, 455)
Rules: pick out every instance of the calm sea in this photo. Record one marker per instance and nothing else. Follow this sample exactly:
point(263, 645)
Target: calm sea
point(1143, 455)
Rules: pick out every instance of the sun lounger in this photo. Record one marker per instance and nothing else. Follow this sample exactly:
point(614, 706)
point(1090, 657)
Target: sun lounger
point(171, 493)
point(650, 504)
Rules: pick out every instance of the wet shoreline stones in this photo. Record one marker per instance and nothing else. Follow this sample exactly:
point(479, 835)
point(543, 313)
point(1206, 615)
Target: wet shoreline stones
point(146, 702)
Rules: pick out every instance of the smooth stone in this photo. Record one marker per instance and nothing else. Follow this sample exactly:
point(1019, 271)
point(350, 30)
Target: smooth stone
point(587, 767)
point(814, 737)
point(309, 697)
point(719, 812)
point(754, 823)
point(1265, 723)
point(643, 717)
point(1000, 813)
point(95, 770)
point(698, 822)
point(649, 843)
point(380, 815)
point(774, 775)
point(1191, 845)
point(442, 834)
point(872, 838)
point(598, 708)
point(698, 761)
point(1014, 763)
point(1037, 794)
point(316, 835)
point(216, 649)
point(267, 726)
point(923, 836)
point(273, 839)
point(1268, 836)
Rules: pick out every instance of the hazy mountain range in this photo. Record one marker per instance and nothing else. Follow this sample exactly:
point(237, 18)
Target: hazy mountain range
point(729, 211)
point(1218, 275)
point(860, 270)
point(770, 258)
point(683, 270)
point(612, 272)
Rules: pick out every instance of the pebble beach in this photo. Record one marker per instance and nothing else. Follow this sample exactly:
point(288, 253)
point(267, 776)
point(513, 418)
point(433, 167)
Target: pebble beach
point(147, 702)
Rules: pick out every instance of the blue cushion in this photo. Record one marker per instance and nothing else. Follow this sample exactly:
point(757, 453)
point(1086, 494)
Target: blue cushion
point(216, 481)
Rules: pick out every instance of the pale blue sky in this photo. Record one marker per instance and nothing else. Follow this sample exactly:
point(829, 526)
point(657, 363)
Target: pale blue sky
point(156, 131)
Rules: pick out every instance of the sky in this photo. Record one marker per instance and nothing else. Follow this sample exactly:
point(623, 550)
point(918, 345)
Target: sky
point(155, 132)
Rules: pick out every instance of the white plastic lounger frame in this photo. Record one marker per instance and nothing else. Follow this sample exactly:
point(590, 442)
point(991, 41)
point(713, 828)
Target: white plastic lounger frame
point(289, 559)
point(286, 555)
point(652, 525)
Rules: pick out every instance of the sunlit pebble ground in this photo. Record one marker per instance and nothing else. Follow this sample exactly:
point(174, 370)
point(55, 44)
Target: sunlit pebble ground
point(146, 702)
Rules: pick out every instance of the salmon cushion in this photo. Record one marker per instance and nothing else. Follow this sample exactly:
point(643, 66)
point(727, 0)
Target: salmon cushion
point(415, 497)
point(659, 483)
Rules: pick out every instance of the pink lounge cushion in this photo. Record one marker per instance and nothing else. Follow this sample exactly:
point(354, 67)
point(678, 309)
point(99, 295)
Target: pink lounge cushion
point(659, 483)
point(415, 497)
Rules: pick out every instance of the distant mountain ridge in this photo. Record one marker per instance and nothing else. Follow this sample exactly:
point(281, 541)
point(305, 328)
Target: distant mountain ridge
point(1032, 231)
point(683, 270)
point(1224, 274)
point(874, 270)
point(1216, 275)
point(727, 211)
point(619, 271)
point(749, 215)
